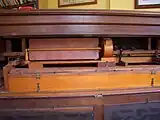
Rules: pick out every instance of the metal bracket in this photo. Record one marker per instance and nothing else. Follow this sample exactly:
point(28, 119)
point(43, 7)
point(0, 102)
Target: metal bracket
point(38, 75)
point(38, 87)
point(153, 72)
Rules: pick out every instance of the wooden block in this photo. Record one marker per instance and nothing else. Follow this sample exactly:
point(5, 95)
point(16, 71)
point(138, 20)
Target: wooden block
point(63, 55)
point(64, 43)
point(36, 65)
point(109, 59)
point(23, 44)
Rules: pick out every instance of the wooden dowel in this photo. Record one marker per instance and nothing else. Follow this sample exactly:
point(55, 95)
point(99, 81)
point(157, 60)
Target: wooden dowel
point(149, 43)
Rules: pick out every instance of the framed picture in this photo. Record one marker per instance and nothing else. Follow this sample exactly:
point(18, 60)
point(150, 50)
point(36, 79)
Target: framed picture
point(65, 3)
point(140, 4)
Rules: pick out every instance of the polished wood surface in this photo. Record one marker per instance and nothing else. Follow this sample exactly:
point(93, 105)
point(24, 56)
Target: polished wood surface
point(79, 22)
point(81, 88)
point(64, 49)
point(53, 79)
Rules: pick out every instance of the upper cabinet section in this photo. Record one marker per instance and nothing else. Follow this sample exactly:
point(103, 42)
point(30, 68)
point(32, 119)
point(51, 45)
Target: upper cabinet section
point(60, 22)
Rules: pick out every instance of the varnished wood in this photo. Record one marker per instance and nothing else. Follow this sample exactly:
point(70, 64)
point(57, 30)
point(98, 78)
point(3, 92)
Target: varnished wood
point(23, 44)
point(108, 48)
point(79, 22)
point(6, 70)
point(64, 49)
point(65, 88)
point(13, 54)
point(64, 55)
point(8, 46)
point(75, 30)
point(43, 102)
point(136, 52)
point(149, 43)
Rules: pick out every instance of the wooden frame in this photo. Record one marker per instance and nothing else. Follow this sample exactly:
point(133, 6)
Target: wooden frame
point(150, 4)
point(85, 2)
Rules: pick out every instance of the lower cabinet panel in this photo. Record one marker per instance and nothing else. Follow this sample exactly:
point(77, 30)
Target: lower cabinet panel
point(51, 116)
point(137, 111)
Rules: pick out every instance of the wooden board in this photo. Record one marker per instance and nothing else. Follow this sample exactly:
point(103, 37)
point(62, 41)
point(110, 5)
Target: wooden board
point(62, 54)
point(63, 43)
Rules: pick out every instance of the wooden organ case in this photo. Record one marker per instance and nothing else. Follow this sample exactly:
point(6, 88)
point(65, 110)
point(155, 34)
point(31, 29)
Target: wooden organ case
point(81, 64)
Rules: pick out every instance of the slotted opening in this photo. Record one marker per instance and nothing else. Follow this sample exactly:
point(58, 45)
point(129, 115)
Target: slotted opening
point(70, 65)
point(22, 66)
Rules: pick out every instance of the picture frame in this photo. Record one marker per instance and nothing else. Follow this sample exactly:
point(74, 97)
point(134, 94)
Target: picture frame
point(66, 3)
point(141, 4)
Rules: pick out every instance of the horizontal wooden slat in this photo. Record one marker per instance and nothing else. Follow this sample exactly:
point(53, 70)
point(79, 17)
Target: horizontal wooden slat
point(67, 62)
point(79, 22)
point(80, 12)
point(77, 19)
point(64, 49)
point(12, 54)
point(113, 30)
point(63, 43)
point(136, 59)
point(64, 55)
point(47, 102)
point(137, 52)
point(46, 111)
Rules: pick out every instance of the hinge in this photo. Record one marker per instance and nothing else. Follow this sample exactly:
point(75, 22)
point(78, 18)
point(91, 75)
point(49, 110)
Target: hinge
point(153, 72)
point(38, 75)
point(38, 87)
point(152, 82)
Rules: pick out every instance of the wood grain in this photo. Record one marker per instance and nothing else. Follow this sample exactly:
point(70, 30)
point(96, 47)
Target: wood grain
point(80, 30)
point(64, 55)
point(63, 49)
point(63, 43)
point(79, 22)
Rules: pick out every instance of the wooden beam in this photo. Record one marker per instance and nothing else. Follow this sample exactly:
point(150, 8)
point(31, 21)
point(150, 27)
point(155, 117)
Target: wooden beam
point(8, 46)
point(23, 44)
point(149, 43)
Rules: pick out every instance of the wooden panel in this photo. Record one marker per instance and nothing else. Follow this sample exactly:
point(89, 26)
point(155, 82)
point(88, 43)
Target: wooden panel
point(50, 102)
point(78, 19)
point(63, 43)
point(29, 84)
point(81, 12)
point(88, 81)
point(150, 111)
point(8, 46)
point(114, 30)
point(63, 55)
point(79, 22)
